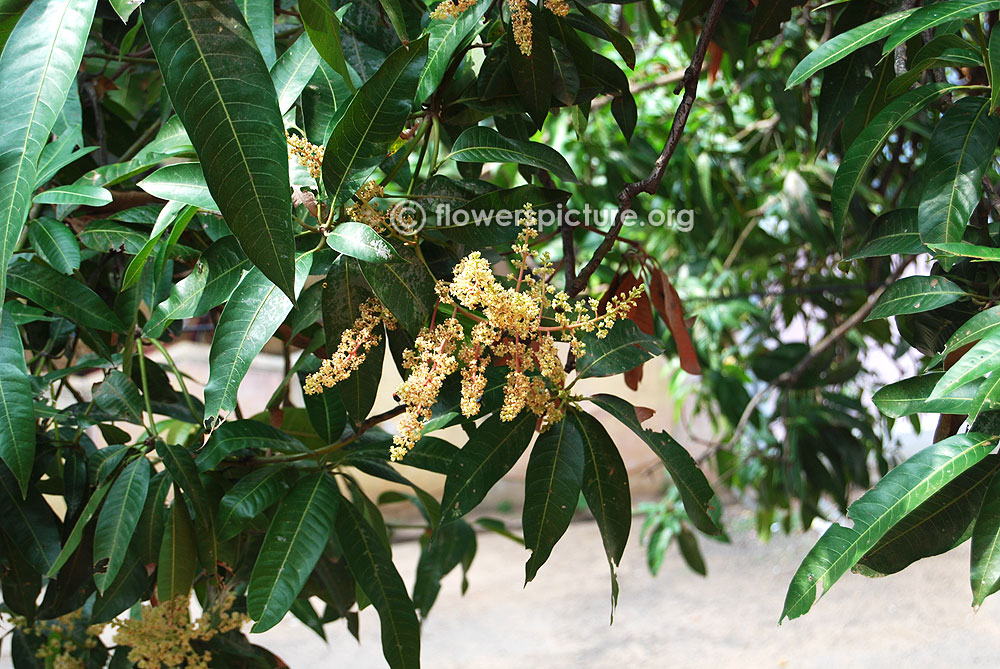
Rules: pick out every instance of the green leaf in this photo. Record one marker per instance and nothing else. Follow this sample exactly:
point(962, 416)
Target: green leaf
point(566, 84)
point(42, 55)
point(209, 284)
point(605, 484)
point(844, 44)
point(360, 241)
point(994, 69)
point(445, 37)
point(405, 286)
point(901, 491)
point(259, 15)
point(222, 91)
point(327, 413)
point(928, 17)
point(250, 497)
point(965, 250)
point(118, 518)
point(175, 214)
point(62, 295)
point(618, 40)
point(128, 588)
point(488, 221)
point(17, 412)
point(91, 196)
point(493, 449)
point(985, 572)
point(294, 542)
point(149, 532)
point(323, 28)
point(178, 557)
point(371, 564)
point(769, 16)
point(916, 294)
point(864, 149)
point(28, 522)
point(894, 233)
point(238, 435)
point(624, 348)
point(936, 526)
point(695, 491)
point(55, 243)
point(124, 8)
point(532, 73)
point(959, 152)
point(119, 396)
point(976, 363)
point(552, 484)
point(480, 144)
point(182, 182)
point(324, 100)
point(76, 534)
point(973, 329)
point(251, 317)
point(293, 71)
point(913, 395)
point(182, 470)
point(372, 122)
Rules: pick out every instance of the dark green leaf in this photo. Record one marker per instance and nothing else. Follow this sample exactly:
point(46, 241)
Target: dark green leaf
point(259, 15)
point(238, 435)
point(118, 518)
point(913, 395)
point(29, 523)
point(480, 144)
point(895, 233)
point(250, 497)
point(624, 348)
point(323, 28)
point(178, 557)
point(405, 287)
point(119, 396)
point(915, 294)
point(55, 243)
point(17, 419)
point(360, 241)
point(62, 295)
point(445, 36)
point(928, 17)
point(182, 182)
point(293, 71)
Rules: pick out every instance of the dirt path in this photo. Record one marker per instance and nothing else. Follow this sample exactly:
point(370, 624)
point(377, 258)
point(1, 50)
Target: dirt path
point(919, 618)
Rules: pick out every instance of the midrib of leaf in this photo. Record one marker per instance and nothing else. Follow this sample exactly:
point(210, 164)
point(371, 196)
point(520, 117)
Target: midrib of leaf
point(232, 128)
point(55, 243)
point(589, 445)
point(958, 169)
point(27, 133)
point(933, 293)
point(115, 547)
point(552, 478)
point(10, 422)
point(194, 297)
point(852, 546)
point(608, 353)
point(291, 77)
point(482, 463)
point(378, 580)
point(245, 497)
point(291, 544)
point(371, 122)
point(246, 333)
point(42, 287)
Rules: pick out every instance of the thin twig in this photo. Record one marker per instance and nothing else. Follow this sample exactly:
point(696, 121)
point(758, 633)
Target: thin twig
point(689, 84)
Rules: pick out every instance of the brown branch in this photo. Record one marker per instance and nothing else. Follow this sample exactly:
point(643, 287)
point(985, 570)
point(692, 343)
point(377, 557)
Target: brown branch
point(689, 84)
point(659, 82)
point(792, 375)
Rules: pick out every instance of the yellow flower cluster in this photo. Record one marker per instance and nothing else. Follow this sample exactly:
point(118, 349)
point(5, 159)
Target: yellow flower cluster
point(354, 343)
point(451, 9)
point(310, 156)
point(520, 16)
point(65, 638)
point(162, 636)
point(557, 7)
point(365, 211)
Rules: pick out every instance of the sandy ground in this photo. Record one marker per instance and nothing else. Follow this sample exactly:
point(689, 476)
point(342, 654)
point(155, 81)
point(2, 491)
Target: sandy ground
point(919, 618)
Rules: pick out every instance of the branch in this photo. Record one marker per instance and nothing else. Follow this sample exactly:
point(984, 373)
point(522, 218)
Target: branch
point(792, 375)
point(689, 84)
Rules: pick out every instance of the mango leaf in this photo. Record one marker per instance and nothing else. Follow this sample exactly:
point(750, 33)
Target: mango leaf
point(532, 72)
point(259, 15)
point(864, 149)
point(178, 557)
point(372, 122)
point(323, 28)
point(621, 43)
point(490, 216)
point(182, 182)
point(493, 448)
point(959, 152)
point(913, 395)
point(769, 16)
point(324, 100)
point(444, 38)
point(118, 395)
point(55, 243)
point(371, 564)
point(552, 484)
point(17, 419)
point(624, 348)
point(250, 497)
point(915, 294)
point(895, 233)
point(605, 484)
point(209, 284)
point(91, 196)
point(251, 317)
point(42, 55)
point(941, 523)
point(124, 8)
point(899, 492)
point(327, 413)
point(973, 329)
point(965, 250)
point(994, 69)
point(62, 295)
point(118, 518)
point(695, 491)
point(182, 470)
point(28, 522)
point(360, 241)
point(222, 92)
point(844, 44)
point(293, 71)
point(405, 286)
point(480, 144)
point(928, 17)
point(237, 435)
point(976, 363)
point(292, 546)
point(125, 591)
point(985, 572)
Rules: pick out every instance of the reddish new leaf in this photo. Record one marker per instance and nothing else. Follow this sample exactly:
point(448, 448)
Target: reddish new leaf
point(668, 303)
